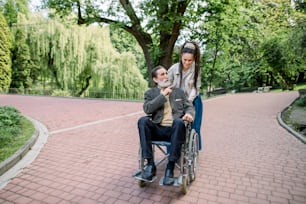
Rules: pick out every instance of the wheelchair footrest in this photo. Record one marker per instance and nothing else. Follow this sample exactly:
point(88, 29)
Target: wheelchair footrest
point(177, 181)
point(138, 176)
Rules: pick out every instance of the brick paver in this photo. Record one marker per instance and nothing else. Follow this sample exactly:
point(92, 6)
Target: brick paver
point(92, 148)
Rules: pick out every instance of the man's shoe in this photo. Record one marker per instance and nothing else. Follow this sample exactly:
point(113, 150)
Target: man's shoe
point(149, 172)
point(168, 179)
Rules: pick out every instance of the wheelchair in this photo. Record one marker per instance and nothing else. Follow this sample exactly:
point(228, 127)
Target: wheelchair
point(187, 164)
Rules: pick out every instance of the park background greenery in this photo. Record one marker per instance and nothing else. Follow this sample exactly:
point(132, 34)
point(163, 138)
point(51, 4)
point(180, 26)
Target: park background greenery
point(105, 49)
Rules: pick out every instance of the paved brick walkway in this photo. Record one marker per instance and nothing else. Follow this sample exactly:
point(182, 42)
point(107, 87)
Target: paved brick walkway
point(92, 148)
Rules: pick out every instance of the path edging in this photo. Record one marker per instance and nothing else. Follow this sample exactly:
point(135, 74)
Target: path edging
point(25, 155)
point(288, 128)
point(19, 154)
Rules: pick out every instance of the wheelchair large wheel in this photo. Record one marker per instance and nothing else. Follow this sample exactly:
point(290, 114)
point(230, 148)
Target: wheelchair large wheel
point(193, 150)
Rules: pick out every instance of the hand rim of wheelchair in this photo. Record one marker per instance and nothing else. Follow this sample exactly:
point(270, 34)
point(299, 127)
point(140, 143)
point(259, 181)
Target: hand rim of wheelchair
point(193, 156)
point(189, 174)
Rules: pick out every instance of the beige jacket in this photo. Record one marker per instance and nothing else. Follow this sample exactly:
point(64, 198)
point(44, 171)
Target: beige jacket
point(187, 81)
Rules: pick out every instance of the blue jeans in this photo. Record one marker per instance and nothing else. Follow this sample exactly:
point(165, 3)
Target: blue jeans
point(198, 105)
point(149, 131)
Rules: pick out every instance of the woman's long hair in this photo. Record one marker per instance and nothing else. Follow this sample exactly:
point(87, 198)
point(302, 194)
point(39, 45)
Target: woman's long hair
point(195, 50)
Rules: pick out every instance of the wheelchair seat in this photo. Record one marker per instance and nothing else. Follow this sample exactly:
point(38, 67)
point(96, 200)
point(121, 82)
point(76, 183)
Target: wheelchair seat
point(162, 143)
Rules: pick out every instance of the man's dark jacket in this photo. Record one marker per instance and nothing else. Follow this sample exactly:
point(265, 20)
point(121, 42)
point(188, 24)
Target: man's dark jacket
point(154, 104)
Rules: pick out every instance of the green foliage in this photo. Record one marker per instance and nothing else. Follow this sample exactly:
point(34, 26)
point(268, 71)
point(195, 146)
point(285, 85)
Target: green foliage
point(21, 62)
point(125, 42)
point(244, 43)
point(301, 102)
point(155, 24)
point(11, 9)
point(61, 93)
point(286, 56)
point(10, 12)
point(121, 80)
point(5, 61)
point(229, 44)
point(15, 133)
point(252, 43)
point(300, 5)
point(76, 59)
point(10, 121)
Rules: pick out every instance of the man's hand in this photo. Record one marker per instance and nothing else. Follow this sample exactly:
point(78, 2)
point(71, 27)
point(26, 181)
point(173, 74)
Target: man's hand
point(167, 91)
point(187, 117)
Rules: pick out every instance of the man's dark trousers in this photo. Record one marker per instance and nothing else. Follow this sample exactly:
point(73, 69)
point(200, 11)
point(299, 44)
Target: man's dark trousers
point(149, 131)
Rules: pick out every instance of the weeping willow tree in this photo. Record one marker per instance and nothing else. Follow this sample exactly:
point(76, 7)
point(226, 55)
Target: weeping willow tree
point(81, 60)
point(120, 78)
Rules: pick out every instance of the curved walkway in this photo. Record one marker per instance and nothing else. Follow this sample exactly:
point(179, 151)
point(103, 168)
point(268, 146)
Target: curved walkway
point(92, 147)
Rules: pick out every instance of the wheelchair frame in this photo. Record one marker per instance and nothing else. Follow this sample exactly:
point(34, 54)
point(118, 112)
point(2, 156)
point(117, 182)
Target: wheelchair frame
point(187, 164)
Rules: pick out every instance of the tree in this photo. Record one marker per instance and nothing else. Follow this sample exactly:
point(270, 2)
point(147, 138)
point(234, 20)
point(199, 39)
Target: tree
point(155, 24)
point(231, 38)
point(236, 36)
point(300, 5)
point(125, 42)
point(5, 60)
point(11, 9)
point(21, 62)
point(74, 60)
point(283, 45)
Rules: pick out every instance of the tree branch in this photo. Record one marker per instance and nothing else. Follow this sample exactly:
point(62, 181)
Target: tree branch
point(130, 12)
point(182, 6)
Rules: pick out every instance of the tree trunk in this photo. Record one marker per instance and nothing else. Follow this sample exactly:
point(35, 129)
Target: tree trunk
point(84, 87)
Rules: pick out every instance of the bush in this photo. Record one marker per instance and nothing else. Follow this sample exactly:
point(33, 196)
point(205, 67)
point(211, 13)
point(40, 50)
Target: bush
point(60, 93)
point(15, 131)
point(10, 124)
point(301, 102)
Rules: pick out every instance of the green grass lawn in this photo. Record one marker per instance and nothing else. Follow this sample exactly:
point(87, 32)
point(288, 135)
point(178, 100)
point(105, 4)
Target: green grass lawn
point(300, 86)
point(15, 131)
point(296, 88)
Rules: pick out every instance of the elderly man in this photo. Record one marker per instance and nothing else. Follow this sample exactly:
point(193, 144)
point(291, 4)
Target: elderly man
point(167, 108)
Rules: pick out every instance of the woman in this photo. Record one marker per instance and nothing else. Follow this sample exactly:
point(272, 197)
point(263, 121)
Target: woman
point(186, 75)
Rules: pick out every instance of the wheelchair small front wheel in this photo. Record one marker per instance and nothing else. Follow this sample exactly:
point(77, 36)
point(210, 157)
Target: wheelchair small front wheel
point(141, 183)
point(184, 184)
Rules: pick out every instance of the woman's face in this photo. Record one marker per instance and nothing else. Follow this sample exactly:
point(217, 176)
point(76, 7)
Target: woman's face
point(187, 60)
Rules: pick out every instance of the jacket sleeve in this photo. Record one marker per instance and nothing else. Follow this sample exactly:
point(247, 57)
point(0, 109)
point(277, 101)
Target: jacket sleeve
point(154, 101)
point(180, 104)
point(189, 108)
point(192, 95)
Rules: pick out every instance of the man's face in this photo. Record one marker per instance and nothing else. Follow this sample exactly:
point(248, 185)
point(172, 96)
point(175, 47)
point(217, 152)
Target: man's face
point(162, 78)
